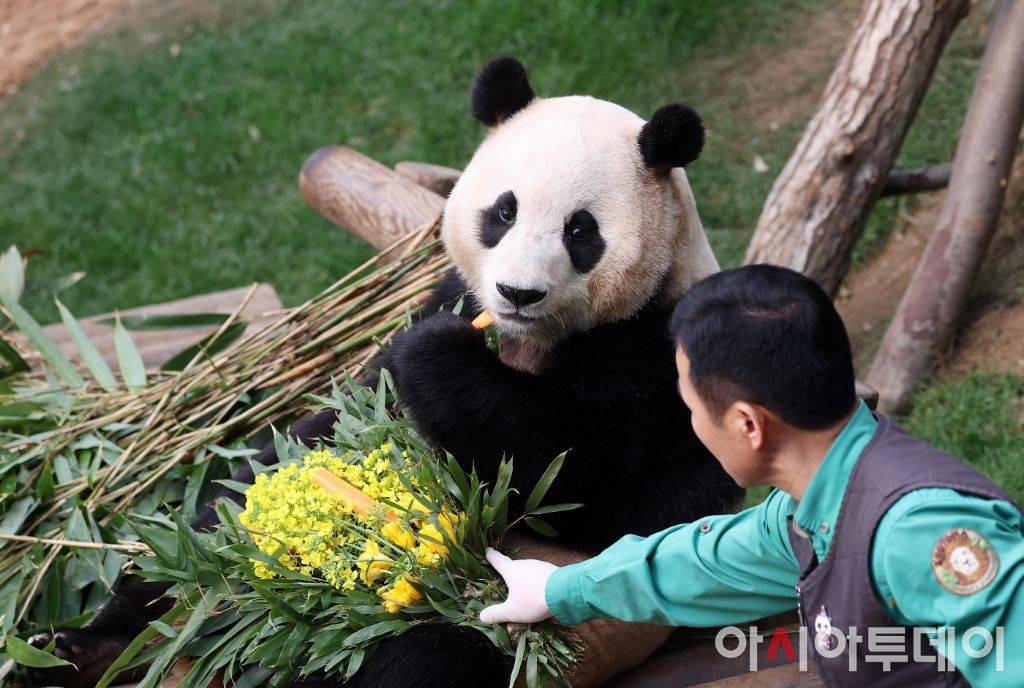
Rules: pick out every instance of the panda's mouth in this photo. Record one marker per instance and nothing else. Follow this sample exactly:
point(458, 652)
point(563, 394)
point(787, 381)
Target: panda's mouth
point(517, 317)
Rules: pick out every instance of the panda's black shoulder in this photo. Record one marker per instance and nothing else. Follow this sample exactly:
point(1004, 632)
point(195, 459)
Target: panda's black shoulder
point(639, 344)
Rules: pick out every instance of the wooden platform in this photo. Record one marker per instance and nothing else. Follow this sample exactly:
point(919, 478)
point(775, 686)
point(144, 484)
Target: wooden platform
point(157, 346)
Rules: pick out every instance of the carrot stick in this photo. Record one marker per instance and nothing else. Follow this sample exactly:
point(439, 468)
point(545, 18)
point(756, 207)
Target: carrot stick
point(483, 320)
point(353, 497)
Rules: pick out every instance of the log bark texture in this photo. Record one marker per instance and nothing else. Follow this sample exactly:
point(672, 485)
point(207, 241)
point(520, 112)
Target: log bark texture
point(368, 199)
point(438, 178)
point(934, 301)
point(821, 201)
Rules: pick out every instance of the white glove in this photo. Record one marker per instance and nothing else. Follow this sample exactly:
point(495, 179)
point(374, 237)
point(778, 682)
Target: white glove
point(525, 579)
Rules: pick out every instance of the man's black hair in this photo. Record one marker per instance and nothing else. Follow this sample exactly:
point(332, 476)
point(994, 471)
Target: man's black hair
point(769, 336)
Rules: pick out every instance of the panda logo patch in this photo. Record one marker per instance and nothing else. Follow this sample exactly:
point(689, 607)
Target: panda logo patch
point(824, 639)
point(964, 561)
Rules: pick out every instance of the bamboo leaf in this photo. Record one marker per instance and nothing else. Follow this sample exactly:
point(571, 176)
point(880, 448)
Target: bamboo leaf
point(26, 655)
point(554, 508)
point(15, 517)
point(377, 630)
point(87, 350)
point(542, 486)
point(154, 321)
point(532, 680)
point(42, 341)
point(518, 663)
point(133, 370)
point(540, 526)
point(12, 273)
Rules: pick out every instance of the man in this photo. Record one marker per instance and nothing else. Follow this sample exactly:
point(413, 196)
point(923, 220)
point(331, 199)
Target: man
point(868, 528)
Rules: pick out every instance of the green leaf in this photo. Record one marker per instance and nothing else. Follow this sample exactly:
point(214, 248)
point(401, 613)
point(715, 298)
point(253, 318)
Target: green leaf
point(208, 346)
point(153, 321)
point(15, 517)
point(542, 486)
point(133, 370)
point(532, 680)
point(12, 273)
point(26, 655)
point(87, 350)
point(554, 508)
point(375, 631)
point(540, 526)
point(42, 341)
point(518, 663)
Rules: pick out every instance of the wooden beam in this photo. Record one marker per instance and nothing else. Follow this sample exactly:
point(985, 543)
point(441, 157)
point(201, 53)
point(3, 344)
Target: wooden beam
point(157, 346)
point(366, 198)
point(436, 178)
point(918, 179)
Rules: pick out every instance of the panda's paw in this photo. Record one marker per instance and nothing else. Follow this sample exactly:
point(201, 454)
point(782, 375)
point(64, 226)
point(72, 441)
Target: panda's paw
point(432, 347)
point(90, 651)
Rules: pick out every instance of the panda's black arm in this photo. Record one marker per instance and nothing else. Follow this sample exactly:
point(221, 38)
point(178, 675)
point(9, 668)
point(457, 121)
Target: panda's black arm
point(463, 399)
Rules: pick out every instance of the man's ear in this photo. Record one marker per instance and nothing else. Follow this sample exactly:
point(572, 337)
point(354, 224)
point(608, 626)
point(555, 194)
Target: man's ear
point(673, 137)
point(500, 90)
point(750, 422)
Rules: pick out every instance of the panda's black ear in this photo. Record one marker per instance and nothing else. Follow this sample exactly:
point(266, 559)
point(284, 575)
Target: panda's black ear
point(500, 90)
point(673, 137)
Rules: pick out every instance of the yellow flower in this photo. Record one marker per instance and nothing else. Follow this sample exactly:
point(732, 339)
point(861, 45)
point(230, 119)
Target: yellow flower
point(372, 564)
point(398, 535)
point(399, 595)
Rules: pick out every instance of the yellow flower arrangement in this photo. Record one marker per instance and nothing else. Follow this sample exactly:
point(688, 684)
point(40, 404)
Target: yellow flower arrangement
point(292, 518)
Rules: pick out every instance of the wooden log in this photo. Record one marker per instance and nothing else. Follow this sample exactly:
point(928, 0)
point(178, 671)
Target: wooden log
point(918, 179)
point(437, 178)
point(821, 201)
point(366, 198)
point(934, 301)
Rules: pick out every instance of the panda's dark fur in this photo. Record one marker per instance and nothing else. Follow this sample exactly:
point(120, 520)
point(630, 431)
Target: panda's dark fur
point(607, 395)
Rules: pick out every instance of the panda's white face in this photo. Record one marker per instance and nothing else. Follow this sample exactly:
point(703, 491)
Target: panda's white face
point(557, 225)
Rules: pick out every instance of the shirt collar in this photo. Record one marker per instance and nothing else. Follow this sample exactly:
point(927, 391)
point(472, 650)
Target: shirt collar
point(816, 513)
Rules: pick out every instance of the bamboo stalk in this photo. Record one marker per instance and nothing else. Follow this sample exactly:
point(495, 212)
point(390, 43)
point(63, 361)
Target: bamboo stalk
point(119, 547)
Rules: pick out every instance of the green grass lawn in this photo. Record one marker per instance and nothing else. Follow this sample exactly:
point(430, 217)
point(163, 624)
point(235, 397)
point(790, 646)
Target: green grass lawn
point(163, 173)
point(163, 176)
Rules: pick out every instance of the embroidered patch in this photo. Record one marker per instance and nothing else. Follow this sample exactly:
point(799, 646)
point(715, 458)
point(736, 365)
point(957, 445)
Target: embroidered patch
point(964, 561)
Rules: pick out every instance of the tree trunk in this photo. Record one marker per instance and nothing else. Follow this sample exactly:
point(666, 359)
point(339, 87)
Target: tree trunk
point(935, 298)
point(820, 203)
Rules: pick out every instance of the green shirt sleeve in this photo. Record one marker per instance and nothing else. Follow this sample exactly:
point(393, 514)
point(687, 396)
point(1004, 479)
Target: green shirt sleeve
point(716, 571)
point(902, 569)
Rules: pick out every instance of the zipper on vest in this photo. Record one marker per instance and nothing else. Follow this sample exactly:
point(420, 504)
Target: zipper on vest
point(799, 606)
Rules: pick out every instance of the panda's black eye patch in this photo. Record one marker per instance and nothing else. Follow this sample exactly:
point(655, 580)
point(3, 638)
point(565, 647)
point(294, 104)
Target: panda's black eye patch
point(582, 239)
point(498, 219)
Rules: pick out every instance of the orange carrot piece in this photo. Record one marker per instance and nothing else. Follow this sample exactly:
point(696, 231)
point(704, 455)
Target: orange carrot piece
point(483, 320)
point(353, 497)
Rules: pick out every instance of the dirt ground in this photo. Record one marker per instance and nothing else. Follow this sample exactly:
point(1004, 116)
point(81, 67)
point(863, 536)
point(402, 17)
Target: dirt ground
point(31, 30)
point(992, 335)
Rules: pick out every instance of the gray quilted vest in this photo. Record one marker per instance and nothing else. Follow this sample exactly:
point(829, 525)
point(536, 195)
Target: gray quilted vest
point(838, 592)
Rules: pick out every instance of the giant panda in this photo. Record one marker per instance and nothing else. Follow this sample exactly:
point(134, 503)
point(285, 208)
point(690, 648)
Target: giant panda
point(574, 225)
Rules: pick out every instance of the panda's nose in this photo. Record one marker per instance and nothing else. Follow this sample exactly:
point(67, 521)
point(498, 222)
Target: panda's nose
point(520, 297)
